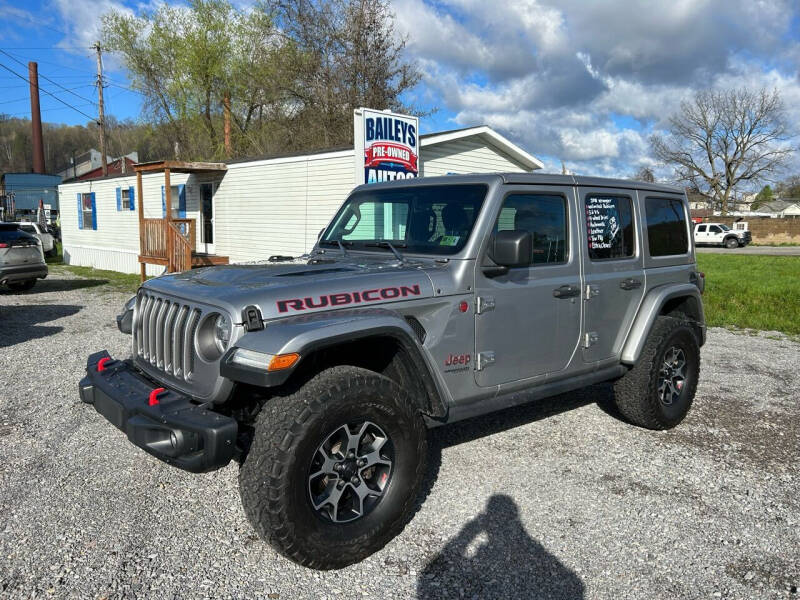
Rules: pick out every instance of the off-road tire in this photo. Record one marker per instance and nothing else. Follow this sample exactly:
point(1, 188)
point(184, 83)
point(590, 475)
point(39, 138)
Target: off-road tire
point(21, 286)
point(273, 480)
point(731, 243)
point(636, 393)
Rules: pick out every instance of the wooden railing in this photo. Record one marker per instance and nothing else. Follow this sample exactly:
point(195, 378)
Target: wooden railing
point(180, 249)
point(168, 242)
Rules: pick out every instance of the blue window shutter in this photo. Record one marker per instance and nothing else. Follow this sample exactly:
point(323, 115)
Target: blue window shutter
point(94, 213)
point(119, 198)
point(132, 198)
point(80, 212)
point(182, 201)
point(163, 204)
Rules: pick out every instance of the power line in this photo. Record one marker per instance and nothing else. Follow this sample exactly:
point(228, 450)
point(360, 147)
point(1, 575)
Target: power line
point(47, 78)
point(28, 97)
point(125, 87)
point(47, 62)
point(46, 47)
point(48, 93)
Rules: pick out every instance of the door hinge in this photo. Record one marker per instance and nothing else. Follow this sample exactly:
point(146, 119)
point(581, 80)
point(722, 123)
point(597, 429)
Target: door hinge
point(590, 339)
point(483, 304)
point(592, 291)
point(484, 360)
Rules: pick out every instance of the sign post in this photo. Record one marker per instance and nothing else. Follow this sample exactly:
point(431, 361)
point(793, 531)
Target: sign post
point(386, 146)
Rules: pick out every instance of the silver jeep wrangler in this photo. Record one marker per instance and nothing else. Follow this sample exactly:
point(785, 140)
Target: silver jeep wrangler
point(424, 302)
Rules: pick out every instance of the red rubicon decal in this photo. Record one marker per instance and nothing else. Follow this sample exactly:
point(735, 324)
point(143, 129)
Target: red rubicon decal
point(345, 298)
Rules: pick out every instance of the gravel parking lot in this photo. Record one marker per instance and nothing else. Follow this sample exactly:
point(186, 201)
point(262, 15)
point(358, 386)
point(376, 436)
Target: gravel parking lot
point(553, 500)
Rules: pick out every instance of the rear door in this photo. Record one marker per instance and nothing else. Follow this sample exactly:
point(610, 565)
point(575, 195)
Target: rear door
point(524, 327)
point(701, 234)
point(613, 268)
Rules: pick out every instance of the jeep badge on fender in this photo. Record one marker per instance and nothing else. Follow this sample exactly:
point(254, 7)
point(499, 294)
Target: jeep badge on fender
point(320, 375)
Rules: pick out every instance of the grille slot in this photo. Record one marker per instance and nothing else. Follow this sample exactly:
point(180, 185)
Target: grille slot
point(165, 332)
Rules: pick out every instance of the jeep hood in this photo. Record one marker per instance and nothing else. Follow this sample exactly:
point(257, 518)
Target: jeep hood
point(280, 290)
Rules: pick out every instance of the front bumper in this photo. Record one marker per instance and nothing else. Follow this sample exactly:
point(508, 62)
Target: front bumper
point(175, 430)
point(24, 272)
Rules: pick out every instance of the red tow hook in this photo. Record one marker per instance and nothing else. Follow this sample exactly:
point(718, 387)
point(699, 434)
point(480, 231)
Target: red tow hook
point(101, 364)
point(153, 400)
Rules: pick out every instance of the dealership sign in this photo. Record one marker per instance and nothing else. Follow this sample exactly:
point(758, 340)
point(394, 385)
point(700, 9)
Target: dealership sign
point(386, 145)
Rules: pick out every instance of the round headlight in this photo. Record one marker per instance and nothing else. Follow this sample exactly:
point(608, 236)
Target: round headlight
point(222, 332)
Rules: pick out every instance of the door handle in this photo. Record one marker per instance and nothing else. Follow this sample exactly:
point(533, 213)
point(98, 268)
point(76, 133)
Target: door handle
point(630, 284)
point(567, 291)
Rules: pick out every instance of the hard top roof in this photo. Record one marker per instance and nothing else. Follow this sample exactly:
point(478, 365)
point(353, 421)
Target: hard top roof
point(533, 179)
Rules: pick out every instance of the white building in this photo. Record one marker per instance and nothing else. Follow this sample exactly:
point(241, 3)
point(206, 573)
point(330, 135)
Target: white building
point(250, 209)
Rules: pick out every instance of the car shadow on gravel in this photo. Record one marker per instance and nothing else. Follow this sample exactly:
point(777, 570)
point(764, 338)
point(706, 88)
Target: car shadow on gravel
point(494, 557)
point(45, 286)
point(22, 323)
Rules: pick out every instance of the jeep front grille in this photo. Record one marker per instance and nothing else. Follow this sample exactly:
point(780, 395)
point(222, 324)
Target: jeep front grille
point(164, 334)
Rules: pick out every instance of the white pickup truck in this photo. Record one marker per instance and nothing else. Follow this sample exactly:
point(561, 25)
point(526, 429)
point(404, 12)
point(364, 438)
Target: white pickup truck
point(718, 234)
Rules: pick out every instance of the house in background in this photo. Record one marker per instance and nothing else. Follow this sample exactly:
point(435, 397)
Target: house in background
point(245, 210)
point(23, 191)
point(781, 209)
point(91, 161)
point(119, 166)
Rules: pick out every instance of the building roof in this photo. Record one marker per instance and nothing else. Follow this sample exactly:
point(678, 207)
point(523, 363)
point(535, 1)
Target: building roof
point(489, 136)
point(179, 166)
point(777, 206)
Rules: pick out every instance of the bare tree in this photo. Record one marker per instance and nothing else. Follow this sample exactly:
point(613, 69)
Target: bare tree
point(644, 174)
point(721, 139)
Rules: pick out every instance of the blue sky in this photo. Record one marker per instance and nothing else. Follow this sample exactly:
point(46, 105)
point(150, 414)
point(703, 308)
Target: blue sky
point(583, 82)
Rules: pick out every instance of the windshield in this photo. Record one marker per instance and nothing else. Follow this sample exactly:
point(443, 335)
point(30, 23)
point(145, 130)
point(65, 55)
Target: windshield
point(724, 227)
point(425, 219)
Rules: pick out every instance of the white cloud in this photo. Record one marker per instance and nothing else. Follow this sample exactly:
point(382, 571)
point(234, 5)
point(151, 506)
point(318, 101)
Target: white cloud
point(588, 82)
point(81, 20)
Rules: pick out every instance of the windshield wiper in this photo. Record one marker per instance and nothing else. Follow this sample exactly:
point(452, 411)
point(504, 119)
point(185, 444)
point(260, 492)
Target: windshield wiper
point(337, 243)
point(390, 247)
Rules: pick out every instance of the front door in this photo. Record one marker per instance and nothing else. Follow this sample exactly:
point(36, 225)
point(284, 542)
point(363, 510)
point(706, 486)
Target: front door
point(613, 268)
point(207, 217)
point(528, 320)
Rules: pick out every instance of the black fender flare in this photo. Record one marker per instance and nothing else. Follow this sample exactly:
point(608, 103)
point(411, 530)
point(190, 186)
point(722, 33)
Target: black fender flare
point(308, 334)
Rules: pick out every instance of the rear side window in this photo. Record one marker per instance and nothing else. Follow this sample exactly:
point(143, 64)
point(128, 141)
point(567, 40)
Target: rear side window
point(666, 227)
point(609, 227)
point(11, 234)
point(545, 217)
point(701, 229)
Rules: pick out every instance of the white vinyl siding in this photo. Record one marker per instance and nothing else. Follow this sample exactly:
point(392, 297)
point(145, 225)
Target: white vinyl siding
point(466, 156)
point(262, 207)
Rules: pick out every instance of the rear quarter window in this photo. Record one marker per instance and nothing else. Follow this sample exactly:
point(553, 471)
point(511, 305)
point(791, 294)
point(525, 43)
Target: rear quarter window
point(666, 226)
point(10, 235)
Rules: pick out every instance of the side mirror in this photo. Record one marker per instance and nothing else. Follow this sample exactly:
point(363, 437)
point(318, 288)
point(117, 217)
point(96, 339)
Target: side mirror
point(510, 249)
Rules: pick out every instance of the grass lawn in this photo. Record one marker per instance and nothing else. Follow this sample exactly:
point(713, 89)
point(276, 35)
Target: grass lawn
point(752, 292)
point(111, 281)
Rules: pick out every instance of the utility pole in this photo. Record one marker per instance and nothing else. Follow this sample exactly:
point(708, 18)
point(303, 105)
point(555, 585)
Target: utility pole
point(36, 119)
point(101, 119)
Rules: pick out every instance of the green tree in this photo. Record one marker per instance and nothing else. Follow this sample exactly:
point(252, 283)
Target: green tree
point(184, 59)
point(763, 197)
